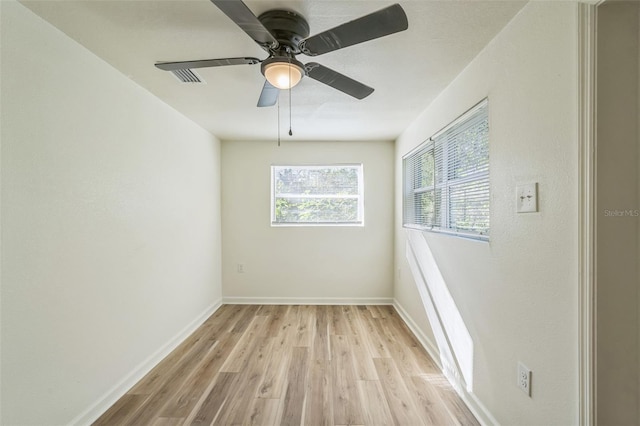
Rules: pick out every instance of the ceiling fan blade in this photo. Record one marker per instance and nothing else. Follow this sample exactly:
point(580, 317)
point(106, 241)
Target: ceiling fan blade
point(204, 63)
point(269, 95)
point(247, 21)
point(337, 81)
point(386, 21)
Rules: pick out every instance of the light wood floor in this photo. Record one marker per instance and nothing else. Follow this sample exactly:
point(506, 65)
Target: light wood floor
point(293, 365)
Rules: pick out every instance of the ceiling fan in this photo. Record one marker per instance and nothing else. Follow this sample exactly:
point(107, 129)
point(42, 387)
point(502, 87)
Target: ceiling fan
point(284, 34)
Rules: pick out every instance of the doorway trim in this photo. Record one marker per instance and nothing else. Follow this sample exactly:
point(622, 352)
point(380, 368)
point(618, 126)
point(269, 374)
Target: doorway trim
point(587, 55)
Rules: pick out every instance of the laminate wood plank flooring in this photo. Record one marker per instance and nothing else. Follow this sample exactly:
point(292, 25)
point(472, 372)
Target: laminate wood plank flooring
point(294, 365)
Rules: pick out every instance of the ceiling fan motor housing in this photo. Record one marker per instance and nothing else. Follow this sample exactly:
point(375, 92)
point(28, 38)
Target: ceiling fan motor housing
point(287, 27)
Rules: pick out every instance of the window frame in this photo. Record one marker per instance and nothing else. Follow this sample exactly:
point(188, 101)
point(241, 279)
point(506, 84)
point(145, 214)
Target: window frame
point(441, 185)
point(359, 222)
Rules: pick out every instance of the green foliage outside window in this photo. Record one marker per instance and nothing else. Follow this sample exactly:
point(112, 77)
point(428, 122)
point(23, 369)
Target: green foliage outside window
point(447, 187)
point(317, 194)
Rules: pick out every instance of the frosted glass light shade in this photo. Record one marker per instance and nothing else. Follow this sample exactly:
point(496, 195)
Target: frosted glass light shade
point(283, 75)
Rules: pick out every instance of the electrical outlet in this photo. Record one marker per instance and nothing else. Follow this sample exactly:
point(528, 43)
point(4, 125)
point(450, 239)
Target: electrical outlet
point(524, 378)
point(241, 268)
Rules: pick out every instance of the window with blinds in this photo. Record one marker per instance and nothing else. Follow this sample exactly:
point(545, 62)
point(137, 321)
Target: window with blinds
point(317, 195)
point(446, 179)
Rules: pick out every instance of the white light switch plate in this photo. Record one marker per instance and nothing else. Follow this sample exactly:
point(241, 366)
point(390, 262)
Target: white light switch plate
point(527, 198)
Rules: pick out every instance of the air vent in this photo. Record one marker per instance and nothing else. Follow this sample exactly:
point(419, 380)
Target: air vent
point(187, 76)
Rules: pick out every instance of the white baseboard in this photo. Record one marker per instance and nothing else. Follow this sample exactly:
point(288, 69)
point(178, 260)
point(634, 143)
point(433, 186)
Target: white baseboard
point(116, 392)
point(478, 409)
point(308, 300)
point(427, 343)
point(102, 404)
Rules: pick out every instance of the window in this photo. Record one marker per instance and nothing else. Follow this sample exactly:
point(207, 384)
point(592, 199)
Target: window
point(317, 195)
point(446, 179)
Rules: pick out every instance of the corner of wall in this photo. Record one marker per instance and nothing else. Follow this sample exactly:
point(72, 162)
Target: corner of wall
point(482, 413)
point(102, 404)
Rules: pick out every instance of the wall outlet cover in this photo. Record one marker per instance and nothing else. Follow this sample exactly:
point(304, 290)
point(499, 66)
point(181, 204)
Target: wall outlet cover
point(524, 379)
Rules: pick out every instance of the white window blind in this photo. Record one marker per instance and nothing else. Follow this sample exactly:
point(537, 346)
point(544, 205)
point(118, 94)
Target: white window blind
point(317, 195)
point(446, 179)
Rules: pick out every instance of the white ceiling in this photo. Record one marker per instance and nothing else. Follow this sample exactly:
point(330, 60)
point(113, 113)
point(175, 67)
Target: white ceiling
point(408, 69)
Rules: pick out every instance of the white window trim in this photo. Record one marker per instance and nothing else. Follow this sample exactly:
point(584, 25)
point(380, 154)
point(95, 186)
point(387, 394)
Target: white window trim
point(429, 144)
point(360, 196)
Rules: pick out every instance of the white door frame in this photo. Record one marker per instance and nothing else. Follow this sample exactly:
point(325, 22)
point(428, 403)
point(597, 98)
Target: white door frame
point(587, 71)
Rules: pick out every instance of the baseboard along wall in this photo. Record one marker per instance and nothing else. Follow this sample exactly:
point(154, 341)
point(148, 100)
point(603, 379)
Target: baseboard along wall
point(307, 300)
point(478, 409)
point(117, 391)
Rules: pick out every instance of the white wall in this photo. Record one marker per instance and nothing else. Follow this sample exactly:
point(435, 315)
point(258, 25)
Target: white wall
point(305, 263)
point(617, 233)
point(110, 225)
point(517, 294)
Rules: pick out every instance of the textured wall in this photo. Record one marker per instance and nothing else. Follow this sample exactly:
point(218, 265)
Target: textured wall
point(110, 224)
point(305, 262)
point(516, 294)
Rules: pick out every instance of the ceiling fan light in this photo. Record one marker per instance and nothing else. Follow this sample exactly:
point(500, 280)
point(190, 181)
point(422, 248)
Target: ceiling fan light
point(283, 74)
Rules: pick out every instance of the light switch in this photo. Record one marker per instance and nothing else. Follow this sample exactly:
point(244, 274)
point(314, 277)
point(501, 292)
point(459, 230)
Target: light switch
point(527, 200)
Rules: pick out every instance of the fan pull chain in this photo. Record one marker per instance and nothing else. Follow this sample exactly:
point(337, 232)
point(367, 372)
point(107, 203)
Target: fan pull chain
point(290, 132)
point(278, 118)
